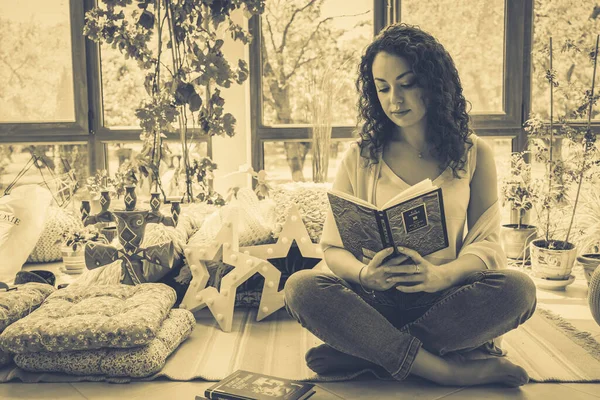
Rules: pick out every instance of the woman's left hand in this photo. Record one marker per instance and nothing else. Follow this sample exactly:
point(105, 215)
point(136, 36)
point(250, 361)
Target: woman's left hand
point(421, 275)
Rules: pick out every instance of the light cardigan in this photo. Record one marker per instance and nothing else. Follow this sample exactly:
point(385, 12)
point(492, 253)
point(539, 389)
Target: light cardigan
point(482, 240)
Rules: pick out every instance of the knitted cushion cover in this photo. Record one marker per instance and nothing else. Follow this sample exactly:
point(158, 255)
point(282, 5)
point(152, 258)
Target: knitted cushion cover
point(58, 221)
point(134, 362)
point(312, 202)
point(83, 318)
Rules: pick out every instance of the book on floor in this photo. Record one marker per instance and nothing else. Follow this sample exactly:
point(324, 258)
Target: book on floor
point(246, 385)
point(414, 219)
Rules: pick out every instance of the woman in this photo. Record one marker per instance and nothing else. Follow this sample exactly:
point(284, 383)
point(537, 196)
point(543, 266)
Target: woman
point(432, 316)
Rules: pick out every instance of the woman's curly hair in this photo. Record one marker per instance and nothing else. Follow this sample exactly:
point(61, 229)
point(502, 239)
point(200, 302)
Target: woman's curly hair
point(447, 119)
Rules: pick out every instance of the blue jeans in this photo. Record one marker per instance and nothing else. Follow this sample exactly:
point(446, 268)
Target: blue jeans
point(389, 327)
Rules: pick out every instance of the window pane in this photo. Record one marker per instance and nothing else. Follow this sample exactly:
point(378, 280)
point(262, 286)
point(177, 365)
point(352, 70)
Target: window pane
point(50, 172)
point(579, 22)
point(473, 33)
point(277, 164)
point(120, 155)
point(123, 89)
point(306, 45)
point(36, 71)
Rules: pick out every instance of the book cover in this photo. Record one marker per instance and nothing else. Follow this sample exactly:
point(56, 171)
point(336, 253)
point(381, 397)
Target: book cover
point(417, 222)
point(246, 385)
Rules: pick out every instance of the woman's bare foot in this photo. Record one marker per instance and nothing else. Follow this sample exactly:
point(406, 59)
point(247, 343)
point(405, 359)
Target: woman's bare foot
point(458, 371)
point(491, 370)
point(324, 359)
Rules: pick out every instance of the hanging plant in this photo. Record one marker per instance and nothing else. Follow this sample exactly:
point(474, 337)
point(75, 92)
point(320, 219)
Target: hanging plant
point(189, 34)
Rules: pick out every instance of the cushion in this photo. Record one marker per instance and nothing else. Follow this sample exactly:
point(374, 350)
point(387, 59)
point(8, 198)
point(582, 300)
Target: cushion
point(15, 304)
point(253, 228)
point(133, 362)
point(312, 202)
point(83, 318)
point(58, 222)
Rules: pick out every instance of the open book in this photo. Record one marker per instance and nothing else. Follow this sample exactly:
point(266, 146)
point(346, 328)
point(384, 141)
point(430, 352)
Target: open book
point(414, 219)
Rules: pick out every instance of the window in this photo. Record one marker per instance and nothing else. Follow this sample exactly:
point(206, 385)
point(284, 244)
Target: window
point(43, 92)
point(490, 59)
point(118, 154)
point(36, 71)
point(579, 22)
point(473, 34)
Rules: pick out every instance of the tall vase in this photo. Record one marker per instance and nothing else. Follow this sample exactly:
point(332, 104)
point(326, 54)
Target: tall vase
point(175, 210)
point(130, 198)
point(155, 201)
point(104, 201)
point(85, 209)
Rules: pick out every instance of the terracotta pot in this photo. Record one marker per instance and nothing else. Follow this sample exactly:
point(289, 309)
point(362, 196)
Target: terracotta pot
point(589, 262)
point(552, 263)
point(515, 240)
point(73, 259)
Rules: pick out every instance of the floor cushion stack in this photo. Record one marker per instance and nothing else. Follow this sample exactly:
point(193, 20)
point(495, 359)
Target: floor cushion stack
point(113, 330)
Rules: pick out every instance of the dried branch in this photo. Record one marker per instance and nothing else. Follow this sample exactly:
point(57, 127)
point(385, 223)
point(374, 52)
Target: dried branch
point(289, 24)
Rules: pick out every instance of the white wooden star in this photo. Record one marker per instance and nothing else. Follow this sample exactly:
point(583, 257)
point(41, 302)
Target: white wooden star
point(221, 303)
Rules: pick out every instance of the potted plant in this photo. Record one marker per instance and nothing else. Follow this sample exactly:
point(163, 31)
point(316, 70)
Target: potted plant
point(553, 255)
point(73, 247)
point(185, 73)
point(518, 190)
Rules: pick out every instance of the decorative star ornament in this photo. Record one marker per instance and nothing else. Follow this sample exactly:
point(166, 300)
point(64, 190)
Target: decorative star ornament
point(293, 230)
point(221, 303)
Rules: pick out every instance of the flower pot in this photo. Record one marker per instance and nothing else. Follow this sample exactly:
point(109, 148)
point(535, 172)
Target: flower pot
point(554, 264)
point(589, 262)
point(515, 240)
point(73, 259)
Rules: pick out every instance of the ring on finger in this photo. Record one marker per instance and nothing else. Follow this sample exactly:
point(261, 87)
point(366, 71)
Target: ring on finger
point(417, 269)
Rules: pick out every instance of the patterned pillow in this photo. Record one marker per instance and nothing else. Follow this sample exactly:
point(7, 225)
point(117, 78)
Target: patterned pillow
point(312, 202)
point(58, 221)
point(253, 228)
point(83, 318)
point(135, 362)
point(15, 304)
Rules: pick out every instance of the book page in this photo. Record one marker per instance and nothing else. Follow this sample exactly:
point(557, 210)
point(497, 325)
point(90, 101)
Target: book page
point(414, 191)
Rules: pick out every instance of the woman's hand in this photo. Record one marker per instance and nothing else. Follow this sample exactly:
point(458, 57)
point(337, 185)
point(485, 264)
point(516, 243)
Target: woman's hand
point(418, 276)
point(374, 276)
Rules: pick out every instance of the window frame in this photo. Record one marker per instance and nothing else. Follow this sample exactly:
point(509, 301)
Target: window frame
point(88, 127)
point(516, 85)
point(51, 132)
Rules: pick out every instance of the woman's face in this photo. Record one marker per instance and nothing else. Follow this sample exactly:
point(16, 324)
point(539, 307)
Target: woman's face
point(400, 97)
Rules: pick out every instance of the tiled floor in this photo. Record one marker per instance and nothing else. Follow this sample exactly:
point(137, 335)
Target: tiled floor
point(571, 304)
